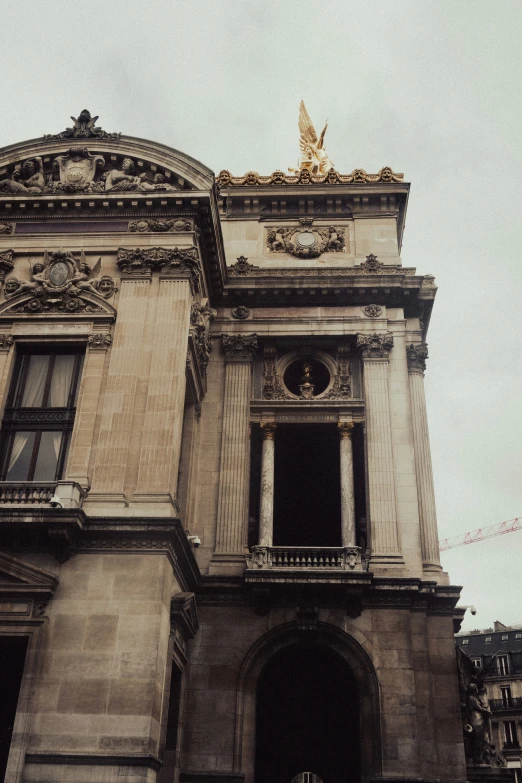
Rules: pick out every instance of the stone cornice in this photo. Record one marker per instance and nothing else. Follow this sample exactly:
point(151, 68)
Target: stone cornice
point(303, 177)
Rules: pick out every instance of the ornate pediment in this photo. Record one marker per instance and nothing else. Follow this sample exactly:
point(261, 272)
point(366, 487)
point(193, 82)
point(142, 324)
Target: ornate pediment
point(60, 284)
point(24, 589)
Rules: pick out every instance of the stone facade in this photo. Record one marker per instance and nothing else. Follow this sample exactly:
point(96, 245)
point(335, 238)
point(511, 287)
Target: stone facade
point(228, 331)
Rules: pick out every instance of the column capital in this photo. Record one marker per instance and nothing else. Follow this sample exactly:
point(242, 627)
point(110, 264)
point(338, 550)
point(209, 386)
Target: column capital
point(345, 429)
point(375, 346)
point(239, 347)
point(171, 263)
point(416, 356)
point(268, 428)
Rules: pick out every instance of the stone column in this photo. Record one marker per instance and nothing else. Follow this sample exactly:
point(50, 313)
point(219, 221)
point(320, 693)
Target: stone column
point(120, 391)
point(232, 516)
point(375, 350)
point(347, 495)
point(77, 468)
point(417, 355)
point(266, 503)
point(163, 423)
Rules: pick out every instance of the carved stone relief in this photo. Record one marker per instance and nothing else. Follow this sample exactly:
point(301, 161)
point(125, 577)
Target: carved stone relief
point(59, 283)
point(416, 356)
point(241, 267)
point(375, 346)
point(201, 316)
point(99, 342)
point(241, 312)
point(274, 369)
point(304, 241)
point(225, 179)
point(6, 263)
point(373, 310)
point(6, 228)
point(84, 128)
point(239, 347)
point(82, 171)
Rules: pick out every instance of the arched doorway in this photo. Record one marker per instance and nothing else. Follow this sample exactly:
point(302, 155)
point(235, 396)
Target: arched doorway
point(307, 717)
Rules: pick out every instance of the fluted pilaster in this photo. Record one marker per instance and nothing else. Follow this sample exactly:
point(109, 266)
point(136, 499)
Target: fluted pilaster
point(120, 390)
point(375, 350)
point(417, 355)
point(163, 423)
point(232, 517)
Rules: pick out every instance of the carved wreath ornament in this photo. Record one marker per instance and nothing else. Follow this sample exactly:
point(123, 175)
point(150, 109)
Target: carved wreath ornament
point(60, 283)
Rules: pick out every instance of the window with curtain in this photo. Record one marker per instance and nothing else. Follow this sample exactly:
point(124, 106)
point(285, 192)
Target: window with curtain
point(39, 416)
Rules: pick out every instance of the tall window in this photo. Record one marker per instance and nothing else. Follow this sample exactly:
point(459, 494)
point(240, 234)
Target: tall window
point(505, 692)
point(503, 665)
point(39, 416)
point(510, 733)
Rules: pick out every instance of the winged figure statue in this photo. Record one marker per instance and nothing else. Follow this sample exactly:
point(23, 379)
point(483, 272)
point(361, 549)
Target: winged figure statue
point(313, 154)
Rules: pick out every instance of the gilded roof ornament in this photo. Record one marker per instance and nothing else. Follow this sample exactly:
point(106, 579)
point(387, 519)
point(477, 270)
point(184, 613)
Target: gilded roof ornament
point(84, 128)
point(314, 157)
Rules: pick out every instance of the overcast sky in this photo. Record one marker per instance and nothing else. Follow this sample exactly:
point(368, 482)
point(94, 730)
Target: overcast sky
point(432, 89)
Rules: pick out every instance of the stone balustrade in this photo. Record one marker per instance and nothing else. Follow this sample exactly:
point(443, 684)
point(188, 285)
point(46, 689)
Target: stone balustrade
point(26, 492)
point(304, 557)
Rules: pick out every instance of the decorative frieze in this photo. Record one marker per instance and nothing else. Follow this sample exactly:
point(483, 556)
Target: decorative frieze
point(375, 346)
point(140, 262)
point(416, 356)
point(6, 228)
point(370, 267)
point(154, 225)
point(239, 347)
point(304, 177)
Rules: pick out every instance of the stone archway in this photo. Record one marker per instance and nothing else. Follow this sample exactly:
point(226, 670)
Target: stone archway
point(331, 649)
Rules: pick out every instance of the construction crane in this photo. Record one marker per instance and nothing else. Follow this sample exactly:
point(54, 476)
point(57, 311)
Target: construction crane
point(479, 535)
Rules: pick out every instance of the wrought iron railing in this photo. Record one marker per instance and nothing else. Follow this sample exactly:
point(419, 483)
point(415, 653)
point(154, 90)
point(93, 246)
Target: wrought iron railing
point(499, 705)
point(305, 557)
point(26, 492)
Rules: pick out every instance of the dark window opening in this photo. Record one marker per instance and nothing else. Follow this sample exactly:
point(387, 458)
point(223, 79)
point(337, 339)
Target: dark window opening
point(307, 717)
point(39, 416)
point(170, 757)
point(12, 655)
point(307, 497)
point(307, 370)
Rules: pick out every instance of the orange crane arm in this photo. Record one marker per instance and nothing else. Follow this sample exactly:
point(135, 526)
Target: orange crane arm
point(479, 535)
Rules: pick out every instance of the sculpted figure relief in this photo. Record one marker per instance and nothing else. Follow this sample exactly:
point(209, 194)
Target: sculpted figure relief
point(27, 177)
point(126, 179)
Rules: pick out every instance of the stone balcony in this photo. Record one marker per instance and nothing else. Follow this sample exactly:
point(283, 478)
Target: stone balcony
point(304, 558)
point(39, 493)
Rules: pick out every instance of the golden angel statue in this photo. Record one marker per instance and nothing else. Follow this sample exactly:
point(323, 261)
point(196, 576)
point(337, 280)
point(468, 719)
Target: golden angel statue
point(313, 154)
